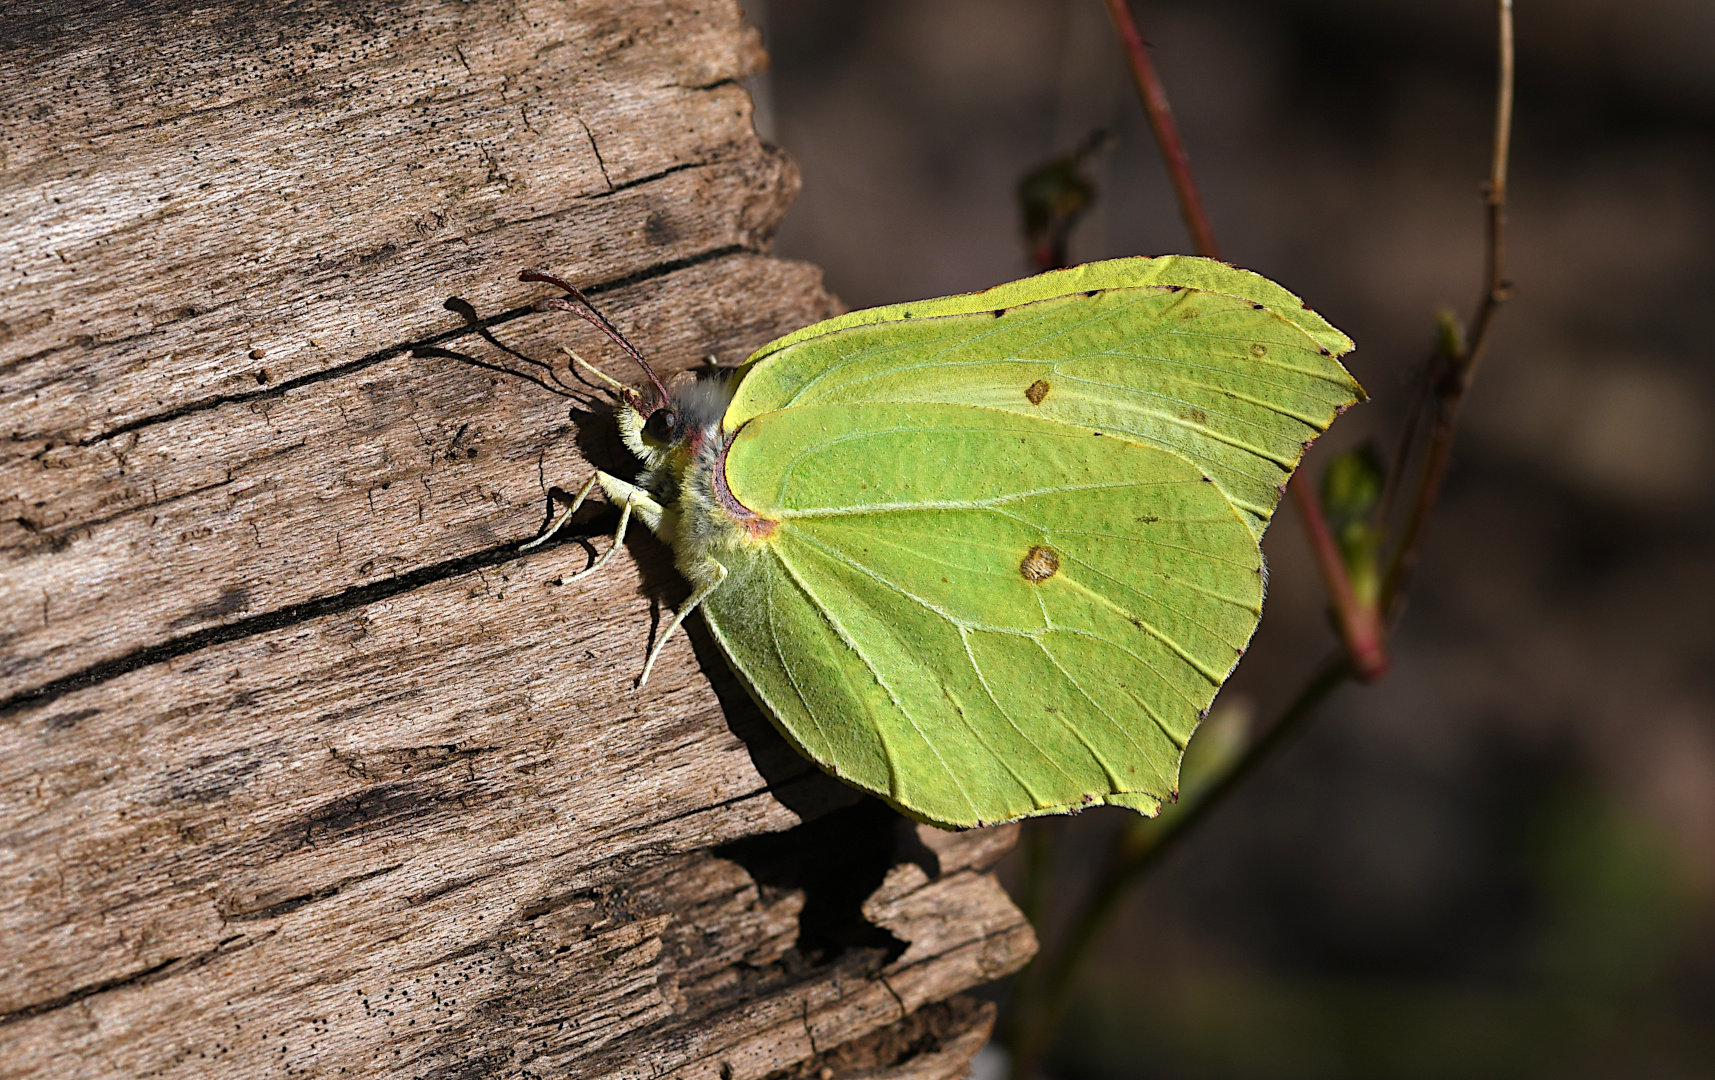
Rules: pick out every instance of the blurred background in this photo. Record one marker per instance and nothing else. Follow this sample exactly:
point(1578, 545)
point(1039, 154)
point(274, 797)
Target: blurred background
point(1500, 862)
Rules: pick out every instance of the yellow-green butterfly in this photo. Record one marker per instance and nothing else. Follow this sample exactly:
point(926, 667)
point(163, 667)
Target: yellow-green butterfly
point(990, 555)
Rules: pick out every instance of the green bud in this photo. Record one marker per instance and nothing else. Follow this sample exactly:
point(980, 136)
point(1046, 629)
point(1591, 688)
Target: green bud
point(1352, 486)
point(1449, 334)
point(1053, 198)
point(1351, 489)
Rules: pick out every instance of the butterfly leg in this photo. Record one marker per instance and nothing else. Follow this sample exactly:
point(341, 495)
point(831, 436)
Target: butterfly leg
point(641, 502)
point(565, 515)
point(618, 542)
point(716, 575)
point(629, 497)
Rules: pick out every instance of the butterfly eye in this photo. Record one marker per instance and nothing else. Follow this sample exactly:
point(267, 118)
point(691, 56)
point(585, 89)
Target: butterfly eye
point(659, 426)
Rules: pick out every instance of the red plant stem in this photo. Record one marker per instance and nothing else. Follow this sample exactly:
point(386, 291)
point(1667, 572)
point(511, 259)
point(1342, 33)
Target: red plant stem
point(1361, 628)
point(1166, 131)
point(1044, 992)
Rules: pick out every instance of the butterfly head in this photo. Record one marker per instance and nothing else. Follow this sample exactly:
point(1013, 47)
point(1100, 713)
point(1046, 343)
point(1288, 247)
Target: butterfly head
point(649, 428)
point(647, 414)
point(687, 420)
point(668, 431)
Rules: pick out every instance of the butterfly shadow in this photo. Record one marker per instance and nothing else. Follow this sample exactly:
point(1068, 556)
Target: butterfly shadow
point(838, 861)
point(847, 841)
point(801, 787)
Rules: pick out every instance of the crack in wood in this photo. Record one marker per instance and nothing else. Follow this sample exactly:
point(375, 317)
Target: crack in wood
point(293, 903)
point(58, 538)
point(72, 997)
point(379, 356)
point(356, 596)
point(170, 966)
point(596, 150)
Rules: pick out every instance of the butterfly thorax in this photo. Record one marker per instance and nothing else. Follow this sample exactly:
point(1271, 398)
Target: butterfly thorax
point(683, 451)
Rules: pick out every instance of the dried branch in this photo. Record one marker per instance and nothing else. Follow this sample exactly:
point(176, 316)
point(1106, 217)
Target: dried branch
point(1166, 131)
point(1456, 380)
point(1361, 627)
point(1044, 994)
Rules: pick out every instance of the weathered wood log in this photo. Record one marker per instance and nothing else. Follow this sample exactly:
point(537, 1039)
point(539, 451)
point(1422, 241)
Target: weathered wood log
point(304, 767)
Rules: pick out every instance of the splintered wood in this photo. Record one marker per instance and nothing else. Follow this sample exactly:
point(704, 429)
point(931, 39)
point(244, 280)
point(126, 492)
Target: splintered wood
point(304, 768)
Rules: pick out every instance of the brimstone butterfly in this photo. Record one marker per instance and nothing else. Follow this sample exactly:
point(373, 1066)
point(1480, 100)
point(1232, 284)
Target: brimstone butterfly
point(991, 555)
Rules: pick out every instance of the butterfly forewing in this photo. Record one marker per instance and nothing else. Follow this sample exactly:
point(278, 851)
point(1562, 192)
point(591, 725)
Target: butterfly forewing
point(1165, 271)
point(1237, 389)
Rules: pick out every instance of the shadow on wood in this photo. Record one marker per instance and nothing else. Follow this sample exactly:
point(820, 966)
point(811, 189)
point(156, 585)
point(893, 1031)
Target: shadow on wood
point(304, 766)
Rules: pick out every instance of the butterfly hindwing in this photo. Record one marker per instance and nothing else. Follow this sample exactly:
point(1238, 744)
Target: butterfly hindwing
point(1035, 621)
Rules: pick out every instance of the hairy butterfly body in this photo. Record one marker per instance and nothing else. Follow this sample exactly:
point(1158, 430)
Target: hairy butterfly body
point(991, 555)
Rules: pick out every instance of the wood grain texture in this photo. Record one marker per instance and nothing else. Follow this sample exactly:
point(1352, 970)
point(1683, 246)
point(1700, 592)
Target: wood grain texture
point(305, 769)
point(936, 1042)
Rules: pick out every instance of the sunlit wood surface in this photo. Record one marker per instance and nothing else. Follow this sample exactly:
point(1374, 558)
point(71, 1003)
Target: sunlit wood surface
point(304, 769)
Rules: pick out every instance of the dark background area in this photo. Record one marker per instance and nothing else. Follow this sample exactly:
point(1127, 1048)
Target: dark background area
point(1501, 861)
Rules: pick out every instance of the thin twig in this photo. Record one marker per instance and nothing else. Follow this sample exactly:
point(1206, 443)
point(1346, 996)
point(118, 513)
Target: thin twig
point(1044, 994)
point(1496, 291)
point(1047, 995)
point(1361, 628)
point(1184, 824)
point(1166, 131)
point(1407, 435)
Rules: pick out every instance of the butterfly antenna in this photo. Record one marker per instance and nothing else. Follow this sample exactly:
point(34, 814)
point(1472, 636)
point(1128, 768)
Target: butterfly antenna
point(595, 318)
point(613, 384)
